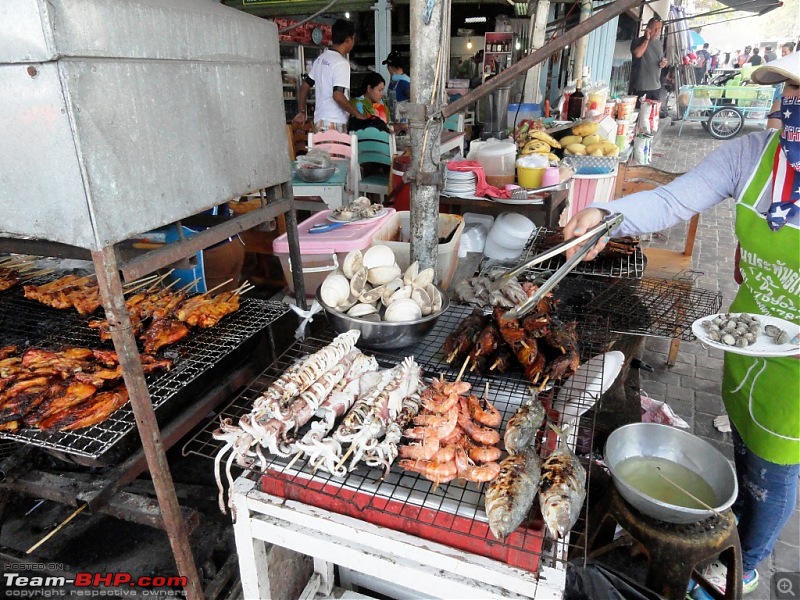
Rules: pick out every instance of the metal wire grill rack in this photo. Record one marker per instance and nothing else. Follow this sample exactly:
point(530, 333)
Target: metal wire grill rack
point(192, 358)
point(631, 266)
point(451, 513)
point(656, 307)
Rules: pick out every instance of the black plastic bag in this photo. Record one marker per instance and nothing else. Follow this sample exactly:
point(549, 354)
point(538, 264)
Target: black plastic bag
point(596, 581)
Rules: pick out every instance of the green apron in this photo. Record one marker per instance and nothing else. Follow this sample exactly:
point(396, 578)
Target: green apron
point(762, 395)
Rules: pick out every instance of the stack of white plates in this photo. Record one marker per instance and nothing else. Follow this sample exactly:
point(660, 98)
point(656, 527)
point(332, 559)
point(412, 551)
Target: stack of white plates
point(460, 183)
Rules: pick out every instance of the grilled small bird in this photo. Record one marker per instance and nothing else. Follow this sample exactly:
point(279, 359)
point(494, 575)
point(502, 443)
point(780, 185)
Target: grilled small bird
point(509, 497)
point(563, 488)
point(522, 427)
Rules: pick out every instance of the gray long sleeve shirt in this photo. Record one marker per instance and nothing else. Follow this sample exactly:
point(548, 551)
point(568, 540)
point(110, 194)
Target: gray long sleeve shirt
point(723, 174)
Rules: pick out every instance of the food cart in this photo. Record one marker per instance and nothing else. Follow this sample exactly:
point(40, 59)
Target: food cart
point(722, 110)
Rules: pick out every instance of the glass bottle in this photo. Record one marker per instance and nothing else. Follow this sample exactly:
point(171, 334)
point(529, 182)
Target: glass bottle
point(577, 105)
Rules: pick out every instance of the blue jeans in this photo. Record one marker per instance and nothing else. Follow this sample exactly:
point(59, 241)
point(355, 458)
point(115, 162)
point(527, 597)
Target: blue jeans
point(767, 497)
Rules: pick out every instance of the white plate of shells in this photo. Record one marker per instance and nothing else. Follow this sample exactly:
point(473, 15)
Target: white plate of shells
point(370, 286)
point(748, 334)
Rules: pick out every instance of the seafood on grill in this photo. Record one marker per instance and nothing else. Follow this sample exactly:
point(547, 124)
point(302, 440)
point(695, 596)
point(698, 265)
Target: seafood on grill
point(615, 247)
point(63, 390)
point(562, 488)
point(521, 429)
point(8, 278)
point(369, 418)
point(509, 498)
point(304, 372)
point(460, 342)
point(371, 287)
point(446, 442)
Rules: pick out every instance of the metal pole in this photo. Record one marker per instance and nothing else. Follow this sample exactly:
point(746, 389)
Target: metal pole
point(383, 35)
point(429, 58)
point(105, 264)
point(580, 46)
point(538, 13)
point(503, 79)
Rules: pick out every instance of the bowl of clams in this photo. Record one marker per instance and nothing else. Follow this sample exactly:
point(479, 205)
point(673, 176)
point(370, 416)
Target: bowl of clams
point(390, 307)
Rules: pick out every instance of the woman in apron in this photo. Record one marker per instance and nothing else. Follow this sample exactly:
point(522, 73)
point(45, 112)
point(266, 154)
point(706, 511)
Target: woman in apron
point(761, 171)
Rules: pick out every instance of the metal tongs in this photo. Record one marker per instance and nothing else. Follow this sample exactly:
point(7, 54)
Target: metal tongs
point(591, 238)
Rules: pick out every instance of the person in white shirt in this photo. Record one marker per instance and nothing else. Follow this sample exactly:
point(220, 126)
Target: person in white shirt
point(330, 77)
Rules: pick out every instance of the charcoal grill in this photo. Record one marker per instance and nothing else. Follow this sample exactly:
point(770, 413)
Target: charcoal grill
point(193, 358)
point(451, 514)
point(631, 266)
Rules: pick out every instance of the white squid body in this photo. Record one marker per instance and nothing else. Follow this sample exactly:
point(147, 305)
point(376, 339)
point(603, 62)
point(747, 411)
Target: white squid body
point(301, 375)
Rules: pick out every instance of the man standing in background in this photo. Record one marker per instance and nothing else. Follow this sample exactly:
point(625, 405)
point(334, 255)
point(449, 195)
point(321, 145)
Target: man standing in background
point(769, 54)
point(702, 65)
point(648, 60)
point(330, 77)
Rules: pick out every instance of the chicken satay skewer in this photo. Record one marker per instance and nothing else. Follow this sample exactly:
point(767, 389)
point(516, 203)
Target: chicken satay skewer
point(158, 280)
point(141, 280)
point(137, 285)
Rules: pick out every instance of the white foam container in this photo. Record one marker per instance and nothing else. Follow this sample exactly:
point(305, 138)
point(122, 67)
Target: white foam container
point(397, 235)
point(509, 234)
point(322, 253)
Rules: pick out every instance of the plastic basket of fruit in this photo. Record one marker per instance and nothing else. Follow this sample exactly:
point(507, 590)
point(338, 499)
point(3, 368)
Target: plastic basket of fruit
point(591, 165)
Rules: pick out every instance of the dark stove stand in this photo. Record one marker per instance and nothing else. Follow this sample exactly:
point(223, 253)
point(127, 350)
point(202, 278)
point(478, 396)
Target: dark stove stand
point(673, 550)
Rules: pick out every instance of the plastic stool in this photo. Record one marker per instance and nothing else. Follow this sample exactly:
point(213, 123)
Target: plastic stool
point(673, 551)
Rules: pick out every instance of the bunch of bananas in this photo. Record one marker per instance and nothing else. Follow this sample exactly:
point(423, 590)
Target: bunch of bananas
point(538, 142)
point(584, 141)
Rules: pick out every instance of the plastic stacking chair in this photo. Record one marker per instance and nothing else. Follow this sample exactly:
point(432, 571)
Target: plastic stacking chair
point(375, 147)
point(341, 146)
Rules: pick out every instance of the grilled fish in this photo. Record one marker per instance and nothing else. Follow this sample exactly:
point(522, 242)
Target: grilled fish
point(522, 427)
point(563, 488)
point(509, 497)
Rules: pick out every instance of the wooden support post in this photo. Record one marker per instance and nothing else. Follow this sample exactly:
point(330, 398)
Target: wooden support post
point(105, 264)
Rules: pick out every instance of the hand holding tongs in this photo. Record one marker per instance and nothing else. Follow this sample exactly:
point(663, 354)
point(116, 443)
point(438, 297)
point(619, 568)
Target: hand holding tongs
point(593, 236)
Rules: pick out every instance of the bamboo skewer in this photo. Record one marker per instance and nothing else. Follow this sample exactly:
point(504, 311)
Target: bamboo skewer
point(347, 454)
point(692, 496)
point(37, 274)
point(57, 529)
point(188, 285)
point(294, 460)
point(160, 278)
point(139, 281)
point(463, 367)
point(137, 287)
point(216, 287)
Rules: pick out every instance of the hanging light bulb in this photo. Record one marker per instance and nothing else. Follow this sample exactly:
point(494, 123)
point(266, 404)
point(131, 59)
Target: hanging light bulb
point(347, 15)
point(518, 45)
point(469, 44)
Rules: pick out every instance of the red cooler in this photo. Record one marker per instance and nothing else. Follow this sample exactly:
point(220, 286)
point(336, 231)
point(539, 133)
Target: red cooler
point(402, 201)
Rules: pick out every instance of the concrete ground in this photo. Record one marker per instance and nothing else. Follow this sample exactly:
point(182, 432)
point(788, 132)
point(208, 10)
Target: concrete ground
point(692, 386)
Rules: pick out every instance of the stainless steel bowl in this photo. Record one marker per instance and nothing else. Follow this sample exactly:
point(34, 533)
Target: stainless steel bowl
point(663, 441)
point(384, 335)
point(316, 174)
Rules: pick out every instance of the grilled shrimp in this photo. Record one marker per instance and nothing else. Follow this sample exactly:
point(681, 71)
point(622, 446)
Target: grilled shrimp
point(424, 450)
point(478, 474)
point(436, 472)
point(489, 416)
point(483, 454)
point(483, 435)
point(442, 429)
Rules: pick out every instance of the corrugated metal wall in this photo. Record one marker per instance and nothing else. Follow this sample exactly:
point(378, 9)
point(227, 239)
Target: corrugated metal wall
point(600, 51)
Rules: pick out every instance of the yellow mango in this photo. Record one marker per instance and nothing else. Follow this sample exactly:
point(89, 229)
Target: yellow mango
point(571, 139)
point(597, 152)
point(576, 149)
point(592, 148)
point(590, 140)
point(611, 152)
point(586, 128)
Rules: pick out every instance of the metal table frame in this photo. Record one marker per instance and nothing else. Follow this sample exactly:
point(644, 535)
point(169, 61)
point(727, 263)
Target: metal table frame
point(395, 558)
point(111, 270)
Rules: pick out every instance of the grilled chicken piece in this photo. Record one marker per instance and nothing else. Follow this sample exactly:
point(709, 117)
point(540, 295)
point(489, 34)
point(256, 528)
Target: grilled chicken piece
point(36, 292)
point(501, 360)
point(15, 399)
point(510, 329)
point(563, 366)
point(8, 278)
point(534, 370)
point(526, 351)
point(58, 399)
point(8, 351)
point(85, 299)
point(460, 344)
point(536, 325)
point(205, 312)
point(163, 333)
point(488, 340)
point(65, 361)
point(89, 412)
point(562, 337)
